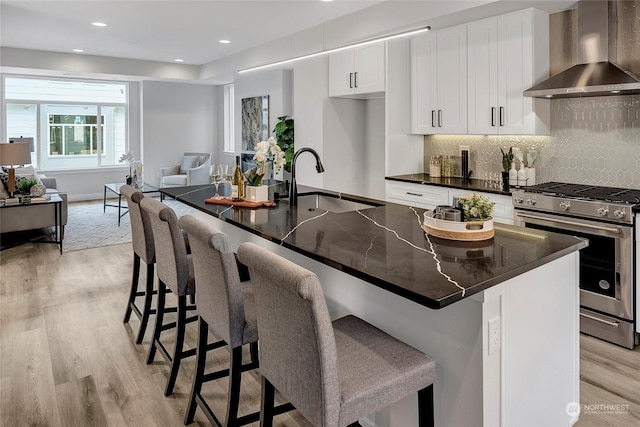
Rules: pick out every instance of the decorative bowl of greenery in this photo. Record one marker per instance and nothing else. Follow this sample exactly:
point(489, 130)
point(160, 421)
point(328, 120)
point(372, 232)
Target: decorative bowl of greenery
point(476, 207)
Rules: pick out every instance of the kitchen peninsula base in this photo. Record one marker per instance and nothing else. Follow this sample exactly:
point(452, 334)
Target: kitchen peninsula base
point(506, 356)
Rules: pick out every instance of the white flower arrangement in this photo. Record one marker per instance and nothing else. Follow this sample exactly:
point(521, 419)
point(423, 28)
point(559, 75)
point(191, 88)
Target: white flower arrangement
point(129, 157)
point(265, 150)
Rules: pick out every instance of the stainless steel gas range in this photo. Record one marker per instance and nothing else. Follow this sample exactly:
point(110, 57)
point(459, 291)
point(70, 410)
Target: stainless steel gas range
point(604, 215)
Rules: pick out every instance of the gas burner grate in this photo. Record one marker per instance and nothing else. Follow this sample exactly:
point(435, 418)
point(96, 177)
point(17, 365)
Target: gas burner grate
point(587, 192)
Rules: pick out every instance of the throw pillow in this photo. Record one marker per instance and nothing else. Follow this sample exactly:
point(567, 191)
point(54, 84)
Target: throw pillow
point(28, 172)
point(4, 178)
point(4, 194)
point(188, 162)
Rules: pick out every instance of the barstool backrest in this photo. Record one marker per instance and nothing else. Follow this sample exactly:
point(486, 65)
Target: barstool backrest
point(171, 251)
point(141, 233)
point(297, 343)
point(219, 297)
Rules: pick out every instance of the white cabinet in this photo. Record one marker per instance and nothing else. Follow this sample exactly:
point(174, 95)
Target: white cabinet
point(358, 71)
point(427, 196)
point(439, 82)
point(506, 55)
point(418, 195)
point(502, 209)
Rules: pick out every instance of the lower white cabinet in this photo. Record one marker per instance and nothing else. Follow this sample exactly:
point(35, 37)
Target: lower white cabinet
point(418, 195)
point(427, 196)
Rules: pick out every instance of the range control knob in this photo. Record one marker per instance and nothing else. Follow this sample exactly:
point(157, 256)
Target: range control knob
point(603, 211)
point(565, 206)
point(619, 213)
point(518, 199)
point(531, 201)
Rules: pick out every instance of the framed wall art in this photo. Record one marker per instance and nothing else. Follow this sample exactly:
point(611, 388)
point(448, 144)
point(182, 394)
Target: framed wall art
point(255, 121)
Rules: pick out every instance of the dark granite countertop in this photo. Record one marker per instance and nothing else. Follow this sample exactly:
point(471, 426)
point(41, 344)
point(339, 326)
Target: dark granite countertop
point(453, 182)
point(387, 247)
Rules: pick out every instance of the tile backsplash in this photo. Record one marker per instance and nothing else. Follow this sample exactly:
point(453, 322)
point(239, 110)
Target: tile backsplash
point(593, 141)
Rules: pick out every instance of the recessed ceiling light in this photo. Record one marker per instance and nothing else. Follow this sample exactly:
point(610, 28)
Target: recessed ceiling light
point(78, 50)
point(615, 91)
point(179, 60)
point(548, 96)
point(99, 24)
point(223, 41)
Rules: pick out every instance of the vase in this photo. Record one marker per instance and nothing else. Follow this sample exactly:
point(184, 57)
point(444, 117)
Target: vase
point(256, 193)
point(505, 181)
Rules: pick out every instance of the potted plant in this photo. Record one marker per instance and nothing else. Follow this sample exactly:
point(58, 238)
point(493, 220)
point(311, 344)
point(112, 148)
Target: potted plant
point(507, 162)
point(25, 184)
point(476, 208)
point(284, 135)
point(265, 150)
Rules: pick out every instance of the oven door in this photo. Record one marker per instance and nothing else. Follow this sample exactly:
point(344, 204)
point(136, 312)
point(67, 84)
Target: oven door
point(606, 265)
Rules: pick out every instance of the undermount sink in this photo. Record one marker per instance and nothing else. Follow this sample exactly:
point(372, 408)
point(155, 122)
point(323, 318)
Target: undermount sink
point(332, 203)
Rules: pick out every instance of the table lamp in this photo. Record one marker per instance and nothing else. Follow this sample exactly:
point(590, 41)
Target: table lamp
point(17, 153)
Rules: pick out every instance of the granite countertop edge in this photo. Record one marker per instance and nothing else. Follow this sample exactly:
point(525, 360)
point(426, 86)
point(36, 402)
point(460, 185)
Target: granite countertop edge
point(452, 182)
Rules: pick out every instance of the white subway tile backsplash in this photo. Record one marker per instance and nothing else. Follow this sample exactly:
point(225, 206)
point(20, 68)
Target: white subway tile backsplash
point(593, 141)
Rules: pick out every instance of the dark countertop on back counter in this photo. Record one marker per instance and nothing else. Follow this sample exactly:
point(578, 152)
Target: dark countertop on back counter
point(453, 182)
point(387, 247)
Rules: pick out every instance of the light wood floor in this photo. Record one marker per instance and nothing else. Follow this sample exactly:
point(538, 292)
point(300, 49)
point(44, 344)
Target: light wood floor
point(66, 358)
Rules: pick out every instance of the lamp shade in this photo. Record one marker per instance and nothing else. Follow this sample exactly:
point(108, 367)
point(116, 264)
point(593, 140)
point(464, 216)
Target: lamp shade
point(17, 153)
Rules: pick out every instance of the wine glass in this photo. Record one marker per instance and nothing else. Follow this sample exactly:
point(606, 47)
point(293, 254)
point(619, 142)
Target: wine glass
point(218, 176)
point(228, 174)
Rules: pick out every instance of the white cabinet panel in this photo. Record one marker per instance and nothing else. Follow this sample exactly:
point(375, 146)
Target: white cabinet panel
point(358, 71)
point(506, 56)
point(439, 82)
point(418, 195)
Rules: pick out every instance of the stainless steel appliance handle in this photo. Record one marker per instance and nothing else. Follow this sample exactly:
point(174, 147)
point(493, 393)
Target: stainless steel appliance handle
point(606, 322)
point(413, 194)
point(578, 224)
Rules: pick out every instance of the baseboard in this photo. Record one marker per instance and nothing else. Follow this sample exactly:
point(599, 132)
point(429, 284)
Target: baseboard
point(89, 196)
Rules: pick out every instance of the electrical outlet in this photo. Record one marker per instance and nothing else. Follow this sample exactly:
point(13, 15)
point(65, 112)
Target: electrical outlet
point(495, 335)
point(462, 148)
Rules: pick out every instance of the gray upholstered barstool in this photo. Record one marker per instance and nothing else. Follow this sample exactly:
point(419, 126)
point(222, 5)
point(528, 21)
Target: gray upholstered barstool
point(333, 372)
point(174, 271)
point(143, 249)
point(226, 306)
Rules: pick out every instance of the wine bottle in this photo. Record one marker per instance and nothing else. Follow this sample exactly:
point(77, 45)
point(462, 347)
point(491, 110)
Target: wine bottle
point(237, 183)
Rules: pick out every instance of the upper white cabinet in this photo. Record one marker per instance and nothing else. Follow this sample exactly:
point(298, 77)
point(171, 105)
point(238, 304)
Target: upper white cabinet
point(357, 72)
point(439, 82)
point(506, 55)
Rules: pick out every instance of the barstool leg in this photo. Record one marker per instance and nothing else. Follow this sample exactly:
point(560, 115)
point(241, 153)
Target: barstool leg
point(266, 404)
point(148, 297)
point(425, 407)
point(253, 351)
point(235, 377)
point(157, 328)
point(134, 286)
point(177, 350)
point(201, 358)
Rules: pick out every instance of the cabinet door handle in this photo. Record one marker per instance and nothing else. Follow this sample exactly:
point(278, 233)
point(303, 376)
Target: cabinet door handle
point(439, 118)
point(493, 116)
point(355, 79)
point(433, 118)
point(414, 194)
point(351, 80)
point(501, 116)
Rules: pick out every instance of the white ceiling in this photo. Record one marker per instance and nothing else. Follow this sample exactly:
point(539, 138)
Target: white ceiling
point(161, 30)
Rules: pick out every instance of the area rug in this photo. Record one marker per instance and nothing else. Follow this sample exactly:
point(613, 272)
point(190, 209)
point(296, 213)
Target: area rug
point(88, 226)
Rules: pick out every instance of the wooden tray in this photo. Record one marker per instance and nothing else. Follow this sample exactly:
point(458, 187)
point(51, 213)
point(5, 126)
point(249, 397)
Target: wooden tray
point(467, 231)
point(243, 204)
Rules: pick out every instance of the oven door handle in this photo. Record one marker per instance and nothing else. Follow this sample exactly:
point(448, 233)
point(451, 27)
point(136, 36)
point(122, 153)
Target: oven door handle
point(615, 230)
point(606, 322)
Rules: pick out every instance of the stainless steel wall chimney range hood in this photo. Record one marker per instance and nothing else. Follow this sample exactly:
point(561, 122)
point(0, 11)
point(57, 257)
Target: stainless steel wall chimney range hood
point(594, 75)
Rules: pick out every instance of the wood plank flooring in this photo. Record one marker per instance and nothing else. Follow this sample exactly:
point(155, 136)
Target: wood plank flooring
point(66, 358)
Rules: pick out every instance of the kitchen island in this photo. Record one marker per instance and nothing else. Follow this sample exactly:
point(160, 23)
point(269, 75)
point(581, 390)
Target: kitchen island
point(500, 317)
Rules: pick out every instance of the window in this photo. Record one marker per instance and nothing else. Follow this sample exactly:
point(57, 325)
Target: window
point(229, 142)
point(75, 124)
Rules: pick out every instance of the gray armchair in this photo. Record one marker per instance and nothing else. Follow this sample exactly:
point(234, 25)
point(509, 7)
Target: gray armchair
point(192, 170)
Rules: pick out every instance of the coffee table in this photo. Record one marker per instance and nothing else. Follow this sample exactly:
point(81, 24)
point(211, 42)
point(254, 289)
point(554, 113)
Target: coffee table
point(115, 188)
